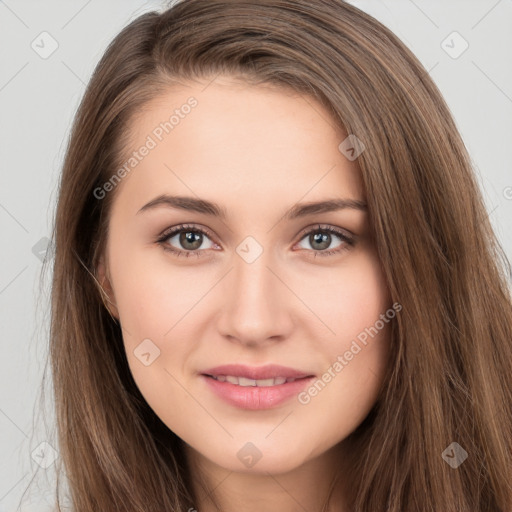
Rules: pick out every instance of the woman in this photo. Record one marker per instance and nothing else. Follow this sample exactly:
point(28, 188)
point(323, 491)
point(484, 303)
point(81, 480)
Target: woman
point(255, 369)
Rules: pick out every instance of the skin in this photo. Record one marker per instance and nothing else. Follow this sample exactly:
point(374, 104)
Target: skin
point(256, 151)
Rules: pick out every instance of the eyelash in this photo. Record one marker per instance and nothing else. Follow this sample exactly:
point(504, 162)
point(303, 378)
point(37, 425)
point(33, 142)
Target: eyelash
point(348, 240)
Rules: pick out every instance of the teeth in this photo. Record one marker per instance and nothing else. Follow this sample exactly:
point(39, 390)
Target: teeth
point(243, 381)
point(265, 382)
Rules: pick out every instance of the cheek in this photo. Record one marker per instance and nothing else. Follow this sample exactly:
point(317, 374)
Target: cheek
point(153, 295)
point(341, 398)
point(158, 302)
point(150, 313)
point(354, 298)
point(357, 307)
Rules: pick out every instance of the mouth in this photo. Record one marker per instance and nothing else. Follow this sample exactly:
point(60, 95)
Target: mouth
point(256, 388)
point(255, 373)
point(246, 382)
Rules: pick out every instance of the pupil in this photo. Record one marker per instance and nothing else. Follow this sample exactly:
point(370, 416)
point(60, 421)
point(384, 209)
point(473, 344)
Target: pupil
point(323, 238)
point(189, 237)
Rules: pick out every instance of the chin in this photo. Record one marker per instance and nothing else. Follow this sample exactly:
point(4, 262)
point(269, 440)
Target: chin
point(257, 458)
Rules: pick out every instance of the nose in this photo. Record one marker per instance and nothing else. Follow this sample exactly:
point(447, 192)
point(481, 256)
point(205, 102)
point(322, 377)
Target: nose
point(256, 305)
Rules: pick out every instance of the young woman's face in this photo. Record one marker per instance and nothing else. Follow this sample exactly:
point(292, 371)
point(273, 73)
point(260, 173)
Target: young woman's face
point(253, 279)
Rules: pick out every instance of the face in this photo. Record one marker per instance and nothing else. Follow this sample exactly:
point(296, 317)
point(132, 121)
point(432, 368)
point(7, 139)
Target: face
point(244, 271)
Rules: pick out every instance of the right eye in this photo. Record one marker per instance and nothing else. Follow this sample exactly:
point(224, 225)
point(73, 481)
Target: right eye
point(189, 239)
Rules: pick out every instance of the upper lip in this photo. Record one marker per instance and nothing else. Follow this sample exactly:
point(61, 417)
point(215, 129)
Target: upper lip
point(268, 371)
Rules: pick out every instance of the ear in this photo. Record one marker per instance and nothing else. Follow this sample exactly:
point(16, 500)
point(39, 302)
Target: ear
point(105, 288)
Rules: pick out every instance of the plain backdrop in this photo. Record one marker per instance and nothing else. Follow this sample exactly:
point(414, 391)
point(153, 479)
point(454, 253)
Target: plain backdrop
point(48, 50)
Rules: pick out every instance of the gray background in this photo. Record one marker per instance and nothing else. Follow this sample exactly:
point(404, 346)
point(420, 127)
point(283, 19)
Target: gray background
point(38, 97)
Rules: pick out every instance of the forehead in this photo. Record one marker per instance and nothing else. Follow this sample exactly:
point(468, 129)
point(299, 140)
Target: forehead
point(228, 140)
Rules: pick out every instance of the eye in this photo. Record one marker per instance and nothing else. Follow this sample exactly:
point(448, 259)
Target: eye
point(321, 239)
point(190, 240)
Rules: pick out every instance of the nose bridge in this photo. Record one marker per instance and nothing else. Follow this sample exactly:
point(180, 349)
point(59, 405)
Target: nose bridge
point(252, 281)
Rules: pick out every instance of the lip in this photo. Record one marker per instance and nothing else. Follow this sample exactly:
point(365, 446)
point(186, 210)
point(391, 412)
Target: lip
point(268, 371)
point(254, 397)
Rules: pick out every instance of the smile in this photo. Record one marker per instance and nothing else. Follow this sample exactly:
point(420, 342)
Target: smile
point(244, 381)
point(255, 394)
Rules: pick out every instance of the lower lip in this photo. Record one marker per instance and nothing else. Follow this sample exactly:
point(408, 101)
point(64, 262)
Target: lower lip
point(255, 397)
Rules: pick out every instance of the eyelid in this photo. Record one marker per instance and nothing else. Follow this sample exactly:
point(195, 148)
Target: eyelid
point(183, 227)
point(325, 227)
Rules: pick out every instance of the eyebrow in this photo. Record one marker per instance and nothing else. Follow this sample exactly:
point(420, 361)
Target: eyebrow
point(210, 208)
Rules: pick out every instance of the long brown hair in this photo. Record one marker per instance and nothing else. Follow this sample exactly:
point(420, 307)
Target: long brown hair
point(451, 364)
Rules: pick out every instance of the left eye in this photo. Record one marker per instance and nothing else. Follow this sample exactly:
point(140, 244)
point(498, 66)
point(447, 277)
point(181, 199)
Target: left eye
point(320, 239)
